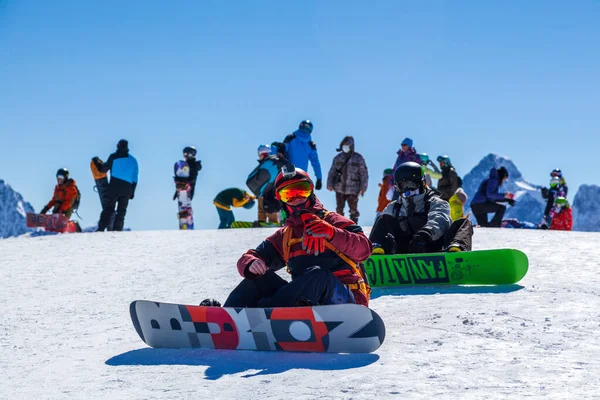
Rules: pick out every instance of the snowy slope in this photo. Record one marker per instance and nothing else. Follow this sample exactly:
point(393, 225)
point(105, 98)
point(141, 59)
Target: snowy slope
point(13, 210)
point(530, 204)
point(65, 331)
point(586, 209)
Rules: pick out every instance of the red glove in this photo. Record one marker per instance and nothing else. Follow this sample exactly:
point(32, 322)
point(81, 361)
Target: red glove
point(316, 232)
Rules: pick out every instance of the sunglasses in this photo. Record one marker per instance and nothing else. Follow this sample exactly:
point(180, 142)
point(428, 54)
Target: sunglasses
point(61, 177)
point(294, 191)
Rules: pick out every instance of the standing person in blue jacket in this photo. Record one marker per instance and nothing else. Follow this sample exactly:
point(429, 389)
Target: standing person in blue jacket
point(300, 149)
point(123, 169)
point(487, 199)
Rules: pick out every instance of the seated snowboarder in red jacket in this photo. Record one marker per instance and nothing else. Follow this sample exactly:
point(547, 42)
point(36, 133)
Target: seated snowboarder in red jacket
point(322, 250)
point(561, 215)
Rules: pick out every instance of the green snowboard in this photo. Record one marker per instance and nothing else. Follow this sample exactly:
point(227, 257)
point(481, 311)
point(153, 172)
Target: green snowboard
point(249, 224)
point(483, 267)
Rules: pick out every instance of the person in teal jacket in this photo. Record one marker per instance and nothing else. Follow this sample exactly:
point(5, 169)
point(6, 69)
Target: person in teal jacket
point(300, 149)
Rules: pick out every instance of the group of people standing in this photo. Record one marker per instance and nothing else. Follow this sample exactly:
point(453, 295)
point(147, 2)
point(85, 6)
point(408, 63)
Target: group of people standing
point(348, 177)
point(114, 194)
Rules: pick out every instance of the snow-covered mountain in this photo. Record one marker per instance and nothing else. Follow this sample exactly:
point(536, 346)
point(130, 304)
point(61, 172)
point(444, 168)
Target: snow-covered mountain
point(529, 202)
point(586, 209)
point(13, 211)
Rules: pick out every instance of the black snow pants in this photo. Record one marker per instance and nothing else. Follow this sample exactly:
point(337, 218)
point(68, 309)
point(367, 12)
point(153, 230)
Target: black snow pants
point(119, 193)
point(481, 211)
point(388, 234)
point(316, 286)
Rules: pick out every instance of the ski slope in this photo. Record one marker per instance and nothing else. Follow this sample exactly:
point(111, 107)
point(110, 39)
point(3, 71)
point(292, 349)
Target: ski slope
point(65, 331)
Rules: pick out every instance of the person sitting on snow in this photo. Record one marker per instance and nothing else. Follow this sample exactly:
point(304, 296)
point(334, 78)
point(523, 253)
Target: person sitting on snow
point(419, 221)
point(561, 215)
point(65, 195)
point(558, 188)
point(323, 251)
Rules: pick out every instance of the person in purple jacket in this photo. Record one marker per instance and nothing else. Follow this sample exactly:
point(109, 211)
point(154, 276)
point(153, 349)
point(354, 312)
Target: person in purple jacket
point(407, 153)
point(487, 199)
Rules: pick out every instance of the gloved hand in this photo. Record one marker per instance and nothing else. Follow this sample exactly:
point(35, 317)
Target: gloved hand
point(132, 195)
point(316, 232)
point(319, 184)
point(44, 210)
point(419, 242)
point(511, 202)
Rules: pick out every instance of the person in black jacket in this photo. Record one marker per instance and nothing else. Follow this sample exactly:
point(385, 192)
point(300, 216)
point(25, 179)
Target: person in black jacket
point(123, 169)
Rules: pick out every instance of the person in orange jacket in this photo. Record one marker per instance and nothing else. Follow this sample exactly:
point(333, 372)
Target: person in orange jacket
point(65, 194)
point(385, 194)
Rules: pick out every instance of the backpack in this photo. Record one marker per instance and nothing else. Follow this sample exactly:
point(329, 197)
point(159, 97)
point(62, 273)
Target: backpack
point(76, 201)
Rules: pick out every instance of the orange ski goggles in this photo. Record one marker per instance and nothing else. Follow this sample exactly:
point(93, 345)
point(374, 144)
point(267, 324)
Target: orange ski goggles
point(293, 191)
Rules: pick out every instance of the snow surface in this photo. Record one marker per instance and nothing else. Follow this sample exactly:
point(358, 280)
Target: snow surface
point(65, 331)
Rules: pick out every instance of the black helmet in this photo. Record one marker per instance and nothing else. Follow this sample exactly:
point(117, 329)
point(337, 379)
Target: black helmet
point(502, 173)
point(189, 151)
point(409, 176)
point(306, 125)
point(63, 172)
point(409, 171)
point(556, 172)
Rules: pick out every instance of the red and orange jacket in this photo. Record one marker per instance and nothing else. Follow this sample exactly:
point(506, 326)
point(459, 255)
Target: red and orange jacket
point(343, 256)
point(384, 186)
point(63, 197)
point(563, 220)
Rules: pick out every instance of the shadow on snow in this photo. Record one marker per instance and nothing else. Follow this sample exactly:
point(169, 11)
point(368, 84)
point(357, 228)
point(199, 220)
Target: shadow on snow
point(424, 290)
point(228, 362)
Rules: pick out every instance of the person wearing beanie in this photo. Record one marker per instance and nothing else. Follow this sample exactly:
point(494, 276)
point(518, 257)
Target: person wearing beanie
point(457, 204)
point(123, 169)
point(407, 153)
point(488, 199)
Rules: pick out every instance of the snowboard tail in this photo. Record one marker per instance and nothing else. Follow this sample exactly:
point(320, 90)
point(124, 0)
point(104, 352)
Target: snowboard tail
point(343, 328)
point(51, 222)
point(484, 267)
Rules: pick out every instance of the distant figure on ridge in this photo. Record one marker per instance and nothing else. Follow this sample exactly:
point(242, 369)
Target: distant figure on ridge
point(348, 177)
point(123, 169)
point(487, 199)
point(300, 149)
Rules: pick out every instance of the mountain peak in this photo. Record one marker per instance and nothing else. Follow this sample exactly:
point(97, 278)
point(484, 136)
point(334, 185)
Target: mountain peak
point(13, 212)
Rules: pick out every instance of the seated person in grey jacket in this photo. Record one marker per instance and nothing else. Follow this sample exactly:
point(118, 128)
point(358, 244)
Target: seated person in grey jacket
point(419, 221)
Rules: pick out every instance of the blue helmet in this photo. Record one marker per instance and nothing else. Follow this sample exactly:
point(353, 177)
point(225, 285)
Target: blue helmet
point(249, 204)
point(306, 125)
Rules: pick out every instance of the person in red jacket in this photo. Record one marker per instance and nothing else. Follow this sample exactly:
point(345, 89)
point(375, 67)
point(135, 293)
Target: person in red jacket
point(65, 194)
point(323, 252)
point(562, 215)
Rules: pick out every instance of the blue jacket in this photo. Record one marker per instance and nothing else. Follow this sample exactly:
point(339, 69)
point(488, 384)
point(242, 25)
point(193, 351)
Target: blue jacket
point(488, 189)
point(300, 148)
point(121, 165)
point(264, 175)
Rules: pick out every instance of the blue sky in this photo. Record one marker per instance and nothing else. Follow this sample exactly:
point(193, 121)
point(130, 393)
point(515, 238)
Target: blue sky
point(463, 78)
